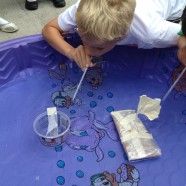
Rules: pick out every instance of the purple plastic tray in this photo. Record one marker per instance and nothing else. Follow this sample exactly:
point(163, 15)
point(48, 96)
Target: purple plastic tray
point(33, 76)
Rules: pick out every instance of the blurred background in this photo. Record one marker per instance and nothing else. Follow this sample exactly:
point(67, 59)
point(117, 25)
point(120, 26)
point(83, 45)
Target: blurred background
point(29, 22)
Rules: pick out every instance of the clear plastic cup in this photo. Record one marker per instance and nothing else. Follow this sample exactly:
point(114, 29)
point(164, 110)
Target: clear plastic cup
point(40, 126)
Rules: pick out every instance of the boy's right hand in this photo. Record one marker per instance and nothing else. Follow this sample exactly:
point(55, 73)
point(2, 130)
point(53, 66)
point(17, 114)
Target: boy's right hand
point(80, 56)
point(182, 55)
point(182, 50)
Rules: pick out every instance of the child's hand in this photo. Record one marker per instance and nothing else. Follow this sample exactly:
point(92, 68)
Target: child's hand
point(80, 56)
point(182, 50)
point(182, 55)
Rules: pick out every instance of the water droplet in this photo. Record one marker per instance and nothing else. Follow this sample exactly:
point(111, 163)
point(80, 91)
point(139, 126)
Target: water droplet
point(60, 180)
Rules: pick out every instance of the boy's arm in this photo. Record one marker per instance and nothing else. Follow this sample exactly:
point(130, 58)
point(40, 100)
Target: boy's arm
point(167, 34)
point(54, 36)
point(54, 30)
point(159, 34)
point(151, 28)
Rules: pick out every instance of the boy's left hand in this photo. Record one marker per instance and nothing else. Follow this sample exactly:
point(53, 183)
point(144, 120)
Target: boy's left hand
point(182, 55)
point(182, 50)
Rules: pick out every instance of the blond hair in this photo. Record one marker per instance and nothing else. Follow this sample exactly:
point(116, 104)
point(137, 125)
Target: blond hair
point(105, 19)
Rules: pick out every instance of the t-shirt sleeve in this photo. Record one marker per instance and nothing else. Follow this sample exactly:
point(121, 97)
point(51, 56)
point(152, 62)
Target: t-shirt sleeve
point(152, 29)
point(67, 19)
point(166, 35)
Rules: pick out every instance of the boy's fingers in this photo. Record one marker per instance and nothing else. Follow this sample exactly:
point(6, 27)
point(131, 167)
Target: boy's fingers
point(81, 56)
point(78, 58)
point(85, 58)
point(88, 61)
point(88, 58)
point(182, 55)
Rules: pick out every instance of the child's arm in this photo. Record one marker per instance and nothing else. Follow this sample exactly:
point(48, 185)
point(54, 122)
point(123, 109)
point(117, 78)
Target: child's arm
point(151, 29)
point(54, 36)
point(182, 49)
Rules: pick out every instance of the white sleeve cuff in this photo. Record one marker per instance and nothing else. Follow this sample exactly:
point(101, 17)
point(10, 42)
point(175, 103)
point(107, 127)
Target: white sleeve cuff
point(67, 19)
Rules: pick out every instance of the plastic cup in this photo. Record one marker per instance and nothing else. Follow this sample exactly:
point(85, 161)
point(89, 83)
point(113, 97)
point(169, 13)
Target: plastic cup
point(40, 126)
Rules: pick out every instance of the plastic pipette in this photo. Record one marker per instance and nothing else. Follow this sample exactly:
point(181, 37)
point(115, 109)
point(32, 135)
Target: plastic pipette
point(79, 84)
point(95, 60)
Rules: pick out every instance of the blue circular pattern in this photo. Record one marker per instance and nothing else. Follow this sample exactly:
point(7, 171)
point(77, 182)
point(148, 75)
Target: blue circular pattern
point(184, 112)
point(72, 112)
point(61, 164)
point(100, 97)
point(110, 95)
point(80, 174)
point(58, 148)
point(93, 104)
point(83, 133)
point(111, 154)
point(80, 158)
point(90, 94)
point(60, 180)
point(110, 109)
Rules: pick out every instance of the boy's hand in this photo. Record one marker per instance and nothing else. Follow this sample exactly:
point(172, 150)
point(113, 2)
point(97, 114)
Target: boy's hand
point(182, 55)
point(80, 56)
point(182, 50)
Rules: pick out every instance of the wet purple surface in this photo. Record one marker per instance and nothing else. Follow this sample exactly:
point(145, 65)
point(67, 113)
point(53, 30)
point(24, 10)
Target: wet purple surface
point(33, 77)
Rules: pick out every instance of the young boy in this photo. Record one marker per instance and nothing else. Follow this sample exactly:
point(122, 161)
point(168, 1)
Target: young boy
point(102, 24)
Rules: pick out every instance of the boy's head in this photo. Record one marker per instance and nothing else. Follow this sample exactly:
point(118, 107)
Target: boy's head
point(101, 23)
point(183, 19)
